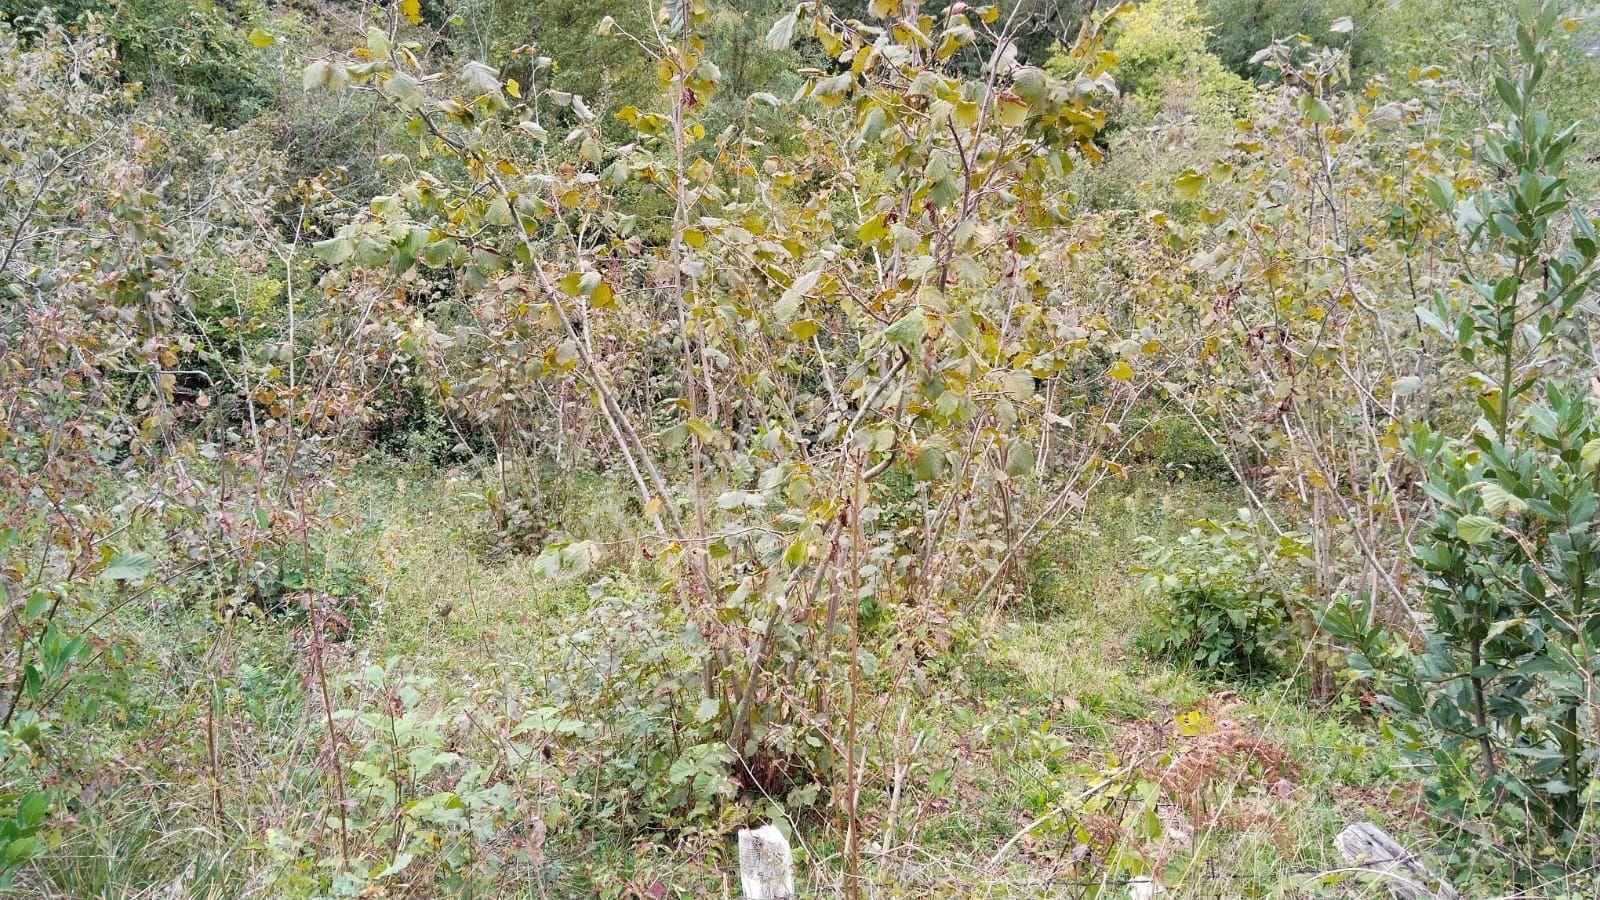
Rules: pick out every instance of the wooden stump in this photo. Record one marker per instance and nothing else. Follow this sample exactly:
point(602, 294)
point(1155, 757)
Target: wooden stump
point(766, 867)
point(1369, 848)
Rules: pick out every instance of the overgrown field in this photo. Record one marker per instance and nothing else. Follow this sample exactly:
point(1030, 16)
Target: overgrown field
point(462, 665)
point(497, 448)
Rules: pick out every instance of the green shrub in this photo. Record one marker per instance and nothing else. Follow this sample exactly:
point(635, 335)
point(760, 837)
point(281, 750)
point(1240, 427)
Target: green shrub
point(625, 694)
point(1222, 602)
point(1162, 59)
point(1495, 698)
point(1245, 26)
point(1179, 448)
point(196, 49)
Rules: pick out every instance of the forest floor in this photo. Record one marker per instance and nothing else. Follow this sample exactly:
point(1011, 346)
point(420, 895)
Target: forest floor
point(1243, 786)
point(1219, 790)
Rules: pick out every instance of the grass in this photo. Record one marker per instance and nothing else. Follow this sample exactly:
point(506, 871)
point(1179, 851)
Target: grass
point(1051, 700)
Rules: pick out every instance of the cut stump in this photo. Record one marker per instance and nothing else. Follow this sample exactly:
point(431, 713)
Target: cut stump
point(766, 867)
point(1369, 848)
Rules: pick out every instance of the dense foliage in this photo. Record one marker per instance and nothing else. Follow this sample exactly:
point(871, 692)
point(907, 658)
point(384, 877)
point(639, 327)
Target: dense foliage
point(472, 447)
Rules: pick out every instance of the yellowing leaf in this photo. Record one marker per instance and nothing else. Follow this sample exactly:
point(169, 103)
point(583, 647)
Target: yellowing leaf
point(1120, 370)
point(412, 10)
point(872, 230)
point(1189, 184)
point(261, 38)
point(1013, 112)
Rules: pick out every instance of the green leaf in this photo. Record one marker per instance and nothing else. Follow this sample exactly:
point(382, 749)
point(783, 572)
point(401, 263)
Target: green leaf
point(261, 38)
point(1313, 108)
point(929, 463)
point(1508, 92)
point(1476, 529)
point(315, 75)
point(789, 303)
point(334, 251)
point(404, 90)
point(35, 606)
point(908, 331)
point(32, 809)
point(128, 567)
point(873, 124)
point(1019, 459)
point(21, 850)
point(377, 42)
point(401, 860)
point(1442, 192)
point(1497, 498)
point(439, 252)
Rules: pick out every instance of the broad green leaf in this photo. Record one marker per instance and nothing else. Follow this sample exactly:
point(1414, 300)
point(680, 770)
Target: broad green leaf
point(1313, 108)
point(315, 75)
point(32, 809)
point(132, 566)
point(789, 303)
point(1019, 459)
point(908, 331)
point(404, 90)
point(873, 124)
point(377, 42)
point(401, 860)
point(1496, 498)
point(1476, 529)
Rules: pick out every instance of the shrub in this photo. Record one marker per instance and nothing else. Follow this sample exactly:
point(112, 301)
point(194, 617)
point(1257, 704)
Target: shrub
point(213, 68)
point(1245, 26)
point(1162, 59)
point(1222, 605)
point(1495, 699)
